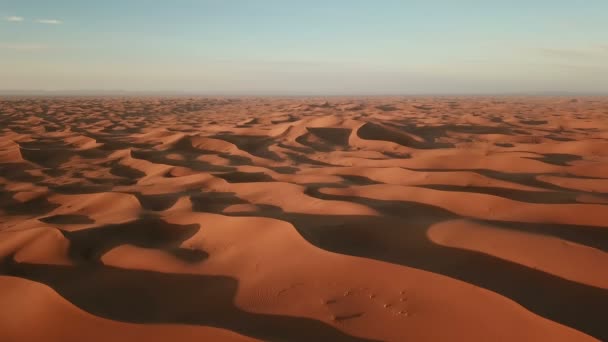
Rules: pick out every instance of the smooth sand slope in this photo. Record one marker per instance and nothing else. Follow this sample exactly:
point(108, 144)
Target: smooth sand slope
point(351, 219)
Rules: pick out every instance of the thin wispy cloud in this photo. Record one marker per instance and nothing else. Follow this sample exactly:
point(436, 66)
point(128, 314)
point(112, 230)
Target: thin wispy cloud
point(22, 46)
point(49, 21)
point(14, 19)
point(563, 53)
point(570, 53)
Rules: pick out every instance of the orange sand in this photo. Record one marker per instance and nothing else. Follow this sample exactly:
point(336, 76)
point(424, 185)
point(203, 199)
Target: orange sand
point(366, 219)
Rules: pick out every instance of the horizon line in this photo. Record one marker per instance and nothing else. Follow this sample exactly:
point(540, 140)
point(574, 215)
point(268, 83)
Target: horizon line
point(171, 93)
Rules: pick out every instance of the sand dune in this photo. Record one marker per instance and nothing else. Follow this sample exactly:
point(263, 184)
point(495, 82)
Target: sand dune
point(33, 302)
point(348, 219)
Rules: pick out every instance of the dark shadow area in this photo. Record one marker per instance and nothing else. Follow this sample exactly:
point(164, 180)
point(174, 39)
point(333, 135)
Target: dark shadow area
point(527, 179)
point(358, 180)
point(89, 245)
point(236, 160)
point(85, 188)
point(255, 145)
point(33, 207)
point(160, 157)
point(214, 202)
point(53, 172)
point(286, 170)
point(534, 122)
point(126, 172)
point(18, 172)
point(558, 138)
point(546, 197)
point(371, 131)
point(157, 202)
point(147, 297)
point(504, 144)
point(560, 159)
point(313, 144)
point(387, 108)
point(47, 157)
point(397, 155)
point(423, 107)
point(290, 118)
point(472, 129)
point(298, 149)
point(335, 136)
point(67, 219)
point(245, 177)
point(301, 159)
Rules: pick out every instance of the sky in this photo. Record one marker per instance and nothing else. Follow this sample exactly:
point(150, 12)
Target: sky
point(288, 47)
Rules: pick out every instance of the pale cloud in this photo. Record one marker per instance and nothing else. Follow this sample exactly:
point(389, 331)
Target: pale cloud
point(22, 46)
point(575, 53)
point(14, 19)
point(563, 53)
point(49, 21)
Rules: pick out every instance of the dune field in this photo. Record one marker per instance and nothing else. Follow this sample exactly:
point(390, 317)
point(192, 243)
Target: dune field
point(304, 219)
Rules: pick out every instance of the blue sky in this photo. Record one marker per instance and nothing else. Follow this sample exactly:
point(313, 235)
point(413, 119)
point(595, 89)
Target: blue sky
point(305, 47)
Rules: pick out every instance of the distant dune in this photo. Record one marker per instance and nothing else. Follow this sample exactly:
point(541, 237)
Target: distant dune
point(304, 219)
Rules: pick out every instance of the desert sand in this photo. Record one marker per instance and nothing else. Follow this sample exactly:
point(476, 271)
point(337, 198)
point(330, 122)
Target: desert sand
point(304, 219)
